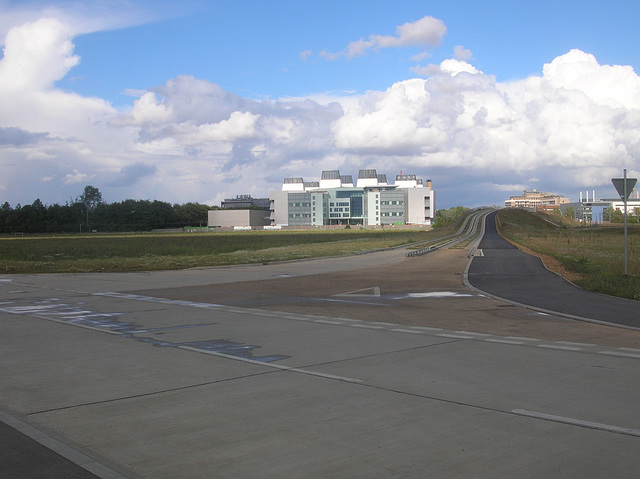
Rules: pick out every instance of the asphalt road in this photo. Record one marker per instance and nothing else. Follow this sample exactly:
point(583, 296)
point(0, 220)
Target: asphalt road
point(506, 272)
point(369, 366)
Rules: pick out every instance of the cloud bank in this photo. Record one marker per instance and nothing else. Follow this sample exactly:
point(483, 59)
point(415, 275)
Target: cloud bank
point(571, 128)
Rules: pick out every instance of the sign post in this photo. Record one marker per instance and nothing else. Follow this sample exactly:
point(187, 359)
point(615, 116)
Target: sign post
point(624, 187)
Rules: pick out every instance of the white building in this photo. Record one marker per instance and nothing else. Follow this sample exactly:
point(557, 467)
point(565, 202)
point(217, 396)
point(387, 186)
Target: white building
point(334, 201)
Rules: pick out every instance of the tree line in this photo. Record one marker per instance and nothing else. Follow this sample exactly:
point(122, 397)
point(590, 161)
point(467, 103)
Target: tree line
point(89, 212)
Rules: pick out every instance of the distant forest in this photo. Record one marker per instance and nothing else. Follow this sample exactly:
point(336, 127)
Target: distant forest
point(89, 213)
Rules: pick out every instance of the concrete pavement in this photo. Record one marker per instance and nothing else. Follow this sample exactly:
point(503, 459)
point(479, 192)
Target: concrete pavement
point(356, 367)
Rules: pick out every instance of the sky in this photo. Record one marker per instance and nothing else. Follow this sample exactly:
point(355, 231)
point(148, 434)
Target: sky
point(198, 101)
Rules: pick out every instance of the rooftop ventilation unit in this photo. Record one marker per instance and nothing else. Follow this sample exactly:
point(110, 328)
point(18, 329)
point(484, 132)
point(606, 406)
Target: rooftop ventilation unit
point(331, 175)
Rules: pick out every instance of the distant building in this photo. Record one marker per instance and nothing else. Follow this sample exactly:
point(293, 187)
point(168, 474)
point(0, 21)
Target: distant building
point(243, 202)
point(238, 218)
point(535, 200)
point(335, 201)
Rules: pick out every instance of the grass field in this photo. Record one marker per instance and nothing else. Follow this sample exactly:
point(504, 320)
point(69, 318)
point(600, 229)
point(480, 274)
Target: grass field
point(161, 251)
point(594, 256)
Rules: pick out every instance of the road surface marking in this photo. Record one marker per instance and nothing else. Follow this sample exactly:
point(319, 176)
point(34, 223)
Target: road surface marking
point(503, 341)
point(621, 354)
point(272, 365)
point(558, 346)
point(412, 331)
point(569, 343)
point(578, 422)
point(375, 291)
point(456, 336)
point(365, 326)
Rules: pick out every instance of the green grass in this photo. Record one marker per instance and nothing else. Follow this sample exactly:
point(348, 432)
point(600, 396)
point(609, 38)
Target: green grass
point(148, 252)
point(595, 253)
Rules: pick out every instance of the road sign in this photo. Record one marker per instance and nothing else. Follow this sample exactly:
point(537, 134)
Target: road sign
point(625, 187)
point(619, 183)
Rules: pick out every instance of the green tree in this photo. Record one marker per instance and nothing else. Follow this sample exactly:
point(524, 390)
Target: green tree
point(617, 216)
point(444, 217)
point(90, 198)
point(606, 213)
point(570, 212)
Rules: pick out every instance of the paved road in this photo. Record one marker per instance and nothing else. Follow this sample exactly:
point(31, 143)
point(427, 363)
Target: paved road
point(506, 272)
point(375, 366)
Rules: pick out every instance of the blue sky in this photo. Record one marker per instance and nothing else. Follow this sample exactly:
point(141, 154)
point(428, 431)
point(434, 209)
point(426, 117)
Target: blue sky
point(253, 48)
point(199, 101)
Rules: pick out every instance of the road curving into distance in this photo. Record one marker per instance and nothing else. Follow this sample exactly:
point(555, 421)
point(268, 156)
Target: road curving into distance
point(503, 271)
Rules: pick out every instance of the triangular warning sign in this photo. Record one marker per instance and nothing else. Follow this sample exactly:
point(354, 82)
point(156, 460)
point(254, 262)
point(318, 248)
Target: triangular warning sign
point(619, 183)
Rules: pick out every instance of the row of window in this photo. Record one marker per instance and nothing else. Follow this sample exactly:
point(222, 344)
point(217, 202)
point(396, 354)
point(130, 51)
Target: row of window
point(299, 215)
point(294, 205)
point(393, 213)
point(392, 202)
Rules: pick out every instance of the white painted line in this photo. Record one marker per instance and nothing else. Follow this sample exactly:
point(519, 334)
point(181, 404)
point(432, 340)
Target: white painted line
point(359, 292)
point(630, 349)
point(412, 331)
point(578, 422)
point(272, 365)
point(569, 343)
point(621, 354)
point(556, 346)
point(472, 333)
point(517, 338)
point(327, 321)
point(503, 341)
point(456, 336)
point(424, 328)
point(365, 326)
point(437, 294)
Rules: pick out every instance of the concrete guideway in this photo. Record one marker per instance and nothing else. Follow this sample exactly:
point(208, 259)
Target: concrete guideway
point(505, 272)
point(375, 366)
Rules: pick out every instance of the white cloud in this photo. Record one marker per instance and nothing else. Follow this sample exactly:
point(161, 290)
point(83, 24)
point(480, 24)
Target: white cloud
point(427, 31)
point(573, 127)
point(36, 55)
point(147, 110)
point(76, 178)
point(570, 126)
point(305, 55)
point(462, 53)
point(83, 16)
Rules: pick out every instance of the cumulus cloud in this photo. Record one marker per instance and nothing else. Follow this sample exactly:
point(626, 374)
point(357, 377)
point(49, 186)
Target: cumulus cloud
point(570, 126)
point(427, 31)
point(18, 137)
point(76, 178)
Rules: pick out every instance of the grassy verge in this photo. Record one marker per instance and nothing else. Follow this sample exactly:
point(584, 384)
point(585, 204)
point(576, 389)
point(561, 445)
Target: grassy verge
point(591, 257)
point(149, 252)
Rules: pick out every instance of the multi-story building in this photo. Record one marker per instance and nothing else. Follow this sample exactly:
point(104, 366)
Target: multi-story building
point(536, 200)
point(243, 202)
point(335, 201)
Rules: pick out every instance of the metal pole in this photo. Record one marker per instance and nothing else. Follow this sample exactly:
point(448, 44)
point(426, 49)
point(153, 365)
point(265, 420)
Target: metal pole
point(625, 223)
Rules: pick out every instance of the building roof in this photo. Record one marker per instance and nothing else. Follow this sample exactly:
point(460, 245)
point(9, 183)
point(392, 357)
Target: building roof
point(331, 175)
point(368, 174)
